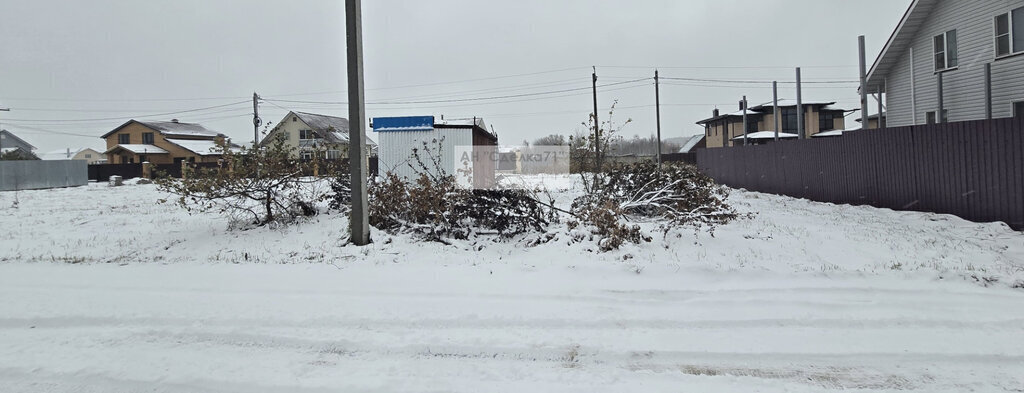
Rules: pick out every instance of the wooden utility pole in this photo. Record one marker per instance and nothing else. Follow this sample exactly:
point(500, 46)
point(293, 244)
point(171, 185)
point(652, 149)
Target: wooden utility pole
point(256, 121)
point(359, 219)
point(597, 129)
point(657, 114)
point(862, 53)
point(1, 130)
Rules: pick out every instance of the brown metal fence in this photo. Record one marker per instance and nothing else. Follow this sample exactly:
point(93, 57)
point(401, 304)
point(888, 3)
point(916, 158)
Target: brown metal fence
point(973, 169)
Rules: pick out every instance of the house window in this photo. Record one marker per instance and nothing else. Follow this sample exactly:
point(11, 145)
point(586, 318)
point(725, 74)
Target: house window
point(945, 50)
point(930, 116)
point(789, 120)
point(143, 158)
point(751, 125)
point(307, 155)
point(88, 156)
point(306, 134)
point(1010, 32)
point(147, 138)
point(1018, 109)
point(123, 139)
point(333, 154)
point(827, 120)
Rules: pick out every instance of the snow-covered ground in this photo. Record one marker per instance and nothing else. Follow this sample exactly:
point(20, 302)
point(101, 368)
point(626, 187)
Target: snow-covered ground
point(104, 290)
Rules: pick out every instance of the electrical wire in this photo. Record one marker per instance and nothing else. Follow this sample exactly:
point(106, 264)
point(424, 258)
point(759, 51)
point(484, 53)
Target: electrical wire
point(462, 99)
point(136, 116)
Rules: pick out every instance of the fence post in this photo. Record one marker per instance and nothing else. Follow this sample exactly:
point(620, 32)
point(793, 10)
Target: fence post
point(147, 170)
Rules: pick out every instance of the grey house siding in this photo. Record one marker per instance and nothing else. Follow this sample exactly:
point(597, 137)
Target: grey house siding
point(964, 95)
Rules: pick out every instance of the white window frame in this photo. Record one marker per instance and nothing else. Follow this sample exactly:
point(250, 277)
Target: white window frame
point(1009, 33)
point(945, 51)
point(312, 135)
point(335, 153)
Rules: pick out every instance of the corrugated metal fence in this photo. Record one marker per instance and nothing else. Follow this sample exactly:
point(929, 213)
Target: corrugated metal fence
point(35, 174)
point(973, 169)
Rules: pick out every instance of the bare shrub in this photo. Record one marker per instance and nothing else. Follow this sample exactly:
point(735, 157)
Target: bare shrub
point(251, 186)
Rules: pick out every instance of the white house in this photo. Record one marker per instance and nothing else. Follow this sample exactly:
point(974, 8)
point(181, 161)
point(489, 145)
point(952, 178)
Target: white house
point(306, 133)
point(952, 41)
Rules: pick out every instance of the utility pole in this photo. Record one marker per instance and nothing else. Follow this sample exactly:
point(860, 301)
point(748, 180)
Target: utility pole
point(799, 106)
point(1, 132)
point(988, 91)
point(881, 108)
point(597, 129)
point(746, 140)
point(359, 219)
point(775, 107)
point(256, 121)
point(863, 84)
point(657, 114)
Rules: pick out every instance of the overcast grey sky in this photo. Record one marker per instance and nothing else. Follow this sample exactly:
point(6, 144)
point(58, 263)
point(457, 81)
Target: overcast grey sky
point(85, 67)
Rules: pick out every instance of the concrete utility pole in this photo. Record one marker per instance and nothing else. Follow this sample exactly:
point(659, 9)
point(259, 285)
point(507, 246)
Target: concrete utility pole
point(881, 108)
point(988, 91)
point(359, 219)
point(597, 129)
point(657, 114)
point(942, 105)
point(863, 84)
point(799, 106)
point(256, 121)
point(746, 140)
point(775, 107)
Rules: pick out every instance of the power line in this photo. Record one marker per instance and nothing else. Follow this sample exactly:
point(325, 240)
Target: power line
point(463, 99)
point(436, 83)
point(757, 81)
point(726, 67)
point(136, 116)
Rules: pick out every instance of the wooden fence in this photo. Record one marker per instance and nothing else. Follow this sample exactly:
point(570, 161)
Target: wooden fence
point(973, 169)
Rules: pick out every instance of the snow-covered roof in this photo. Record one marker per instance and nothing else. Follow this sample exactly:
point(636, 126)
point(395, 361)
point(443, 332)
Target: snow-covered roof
point(690, 143)
point(768, 107)
point(203, 147)
point(788, 103)
point(138, 149)
point(766, 135)
point(477, 121)
point(828, 134)
point(170, 128)
point(9, 135)
point(63, 154)
point(332, 128)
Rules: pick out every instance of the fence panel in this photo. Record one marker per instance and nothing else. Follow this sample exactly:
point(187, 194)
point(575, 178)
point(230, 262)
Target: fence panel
point(36, 174)
point(971, 169)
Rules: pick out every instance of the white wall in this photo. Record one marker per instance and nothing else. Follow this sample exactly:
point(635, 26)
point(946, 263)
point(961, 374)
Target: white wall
point(395, 149)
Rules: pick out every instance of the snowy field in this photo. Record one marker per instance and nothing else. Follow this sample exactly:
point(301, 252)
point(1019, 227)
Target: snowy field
point(105, 290)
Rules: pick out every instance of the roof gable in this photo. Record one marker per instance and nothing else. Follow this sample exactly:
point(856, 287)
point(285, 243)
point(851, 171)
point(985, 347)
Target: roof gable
point(10, 135)
point(899, 42)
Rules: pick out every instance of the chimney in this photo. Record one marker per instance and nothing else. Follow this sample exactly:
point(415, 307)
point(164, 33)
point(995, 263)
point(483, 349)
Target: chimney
point(174, 120)
point(714, 113)
point(69, 152)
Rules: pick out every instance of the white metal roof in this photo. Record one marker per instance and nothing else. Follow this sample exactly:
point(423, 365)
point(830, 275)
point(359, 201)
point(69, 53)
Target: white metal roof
point(203, 147)
point(766, 135)
point(828, 134)
point(139, 149)
point(690, 143)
